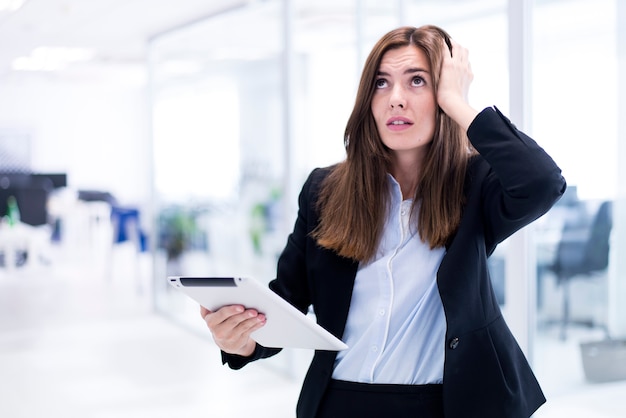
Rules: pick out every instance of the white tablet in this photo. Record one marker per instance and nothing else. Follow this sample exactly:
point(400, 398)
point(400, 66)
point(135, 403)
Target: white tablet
point(286, 326)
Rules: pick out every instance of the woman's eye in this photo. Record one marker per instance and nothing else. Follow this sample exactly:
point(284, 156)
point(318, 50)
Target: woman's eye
point(380, 83)
point(417, 81)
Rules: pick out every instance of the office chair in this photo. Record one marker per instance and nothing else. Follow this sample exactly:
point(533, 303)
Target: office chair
point(582, 253)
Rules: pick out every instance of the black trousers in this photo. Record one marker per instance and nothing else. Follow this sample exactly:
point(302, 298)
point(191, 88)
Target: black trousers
point(364, 400)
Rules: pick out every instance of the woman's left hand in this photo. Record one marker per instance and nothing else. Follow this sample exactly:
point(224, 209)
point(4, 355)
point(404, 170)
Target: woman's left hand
point(454, 82)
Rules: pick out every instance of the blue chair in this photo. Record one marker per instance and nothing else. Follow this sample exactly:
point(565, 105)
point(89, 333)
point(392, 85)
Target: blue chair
point(127, 226)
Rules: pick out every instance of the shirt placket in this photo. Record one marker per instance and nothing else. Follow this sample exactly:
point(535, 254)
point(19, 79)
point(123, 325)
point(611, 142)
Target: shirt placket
point(386, 286)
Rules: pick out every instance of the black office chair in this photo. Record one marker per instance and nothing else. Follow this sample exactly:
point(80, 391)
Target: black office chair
point(582, 253)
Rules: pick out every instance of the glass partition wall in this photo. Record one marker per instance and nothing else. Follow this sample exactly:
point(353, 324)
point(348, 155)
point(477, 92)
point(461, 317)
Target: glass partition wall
point(218, 138)
point(245, 103)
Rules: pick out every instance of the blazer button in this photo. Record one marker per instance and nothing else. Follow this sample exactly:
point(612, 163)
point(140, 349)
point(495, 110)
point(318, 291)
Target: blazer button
point(454, 343)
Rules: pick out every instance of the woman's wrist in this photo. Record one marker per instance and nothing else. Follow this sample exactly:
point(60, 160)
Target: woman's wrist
point(460, 111)
point(248, 349)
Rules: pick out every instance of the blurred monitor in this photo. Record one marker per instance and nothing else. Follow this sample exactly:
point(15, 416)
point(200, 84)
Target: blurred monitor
point(31, 193)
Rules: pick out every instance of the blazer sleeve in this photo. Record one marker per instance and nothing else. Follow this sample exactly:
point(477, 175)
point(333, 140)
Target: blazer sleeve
point(522, 183)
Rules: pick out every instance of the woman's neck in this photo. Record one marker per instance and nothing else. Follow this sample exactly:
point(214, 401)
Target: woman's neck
point(407, 173)
point(408, 186)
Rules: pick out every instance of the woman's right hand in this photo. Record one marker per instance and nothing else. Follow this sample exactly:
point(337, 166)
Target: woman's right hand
point(231, 327)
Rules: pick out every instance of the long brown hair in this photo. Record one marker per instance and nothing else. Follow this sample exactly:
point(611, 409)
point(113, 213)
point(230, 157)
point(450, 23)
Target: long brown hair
point(353, 198)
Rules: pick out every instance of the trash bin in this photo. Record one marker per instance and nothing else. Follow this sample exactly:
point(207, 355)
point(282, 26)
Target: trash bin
point(604, 361)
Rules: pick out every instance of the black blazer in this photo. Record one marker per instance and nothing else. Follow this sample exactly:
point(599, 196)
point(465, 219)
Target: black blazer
point(511, 183)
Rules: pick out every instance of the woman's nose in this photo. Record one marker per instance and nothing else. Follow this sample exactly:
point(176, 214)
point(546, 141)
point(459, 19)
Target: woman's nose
point(397, 100)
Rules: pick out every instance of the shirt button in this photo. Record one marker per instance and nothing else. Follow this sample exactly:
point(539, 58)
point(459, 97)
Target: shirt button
point(381, 312)
point(454, 343)
point(374, 348)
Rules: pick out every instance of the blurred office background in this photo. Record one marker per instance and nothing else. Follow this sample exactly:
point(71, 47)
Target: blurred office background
point(140, 139)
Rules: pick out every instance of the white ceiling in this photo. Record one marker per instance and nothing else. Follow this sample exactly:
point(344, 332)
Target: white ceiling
point(117, 29)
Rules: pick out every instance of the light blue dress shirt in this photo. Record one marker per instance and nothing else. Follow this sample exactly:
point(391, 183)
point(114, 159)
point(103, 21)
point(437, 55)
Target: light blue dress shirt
point(396, 325)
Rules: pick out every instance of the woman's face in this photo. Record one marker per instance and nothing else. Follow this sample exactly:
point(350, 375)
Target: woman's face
point(404, 104)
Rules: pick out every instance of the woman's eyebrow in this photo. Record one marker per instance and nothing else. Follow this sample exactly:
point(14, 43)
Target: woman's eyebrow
point(407, 71)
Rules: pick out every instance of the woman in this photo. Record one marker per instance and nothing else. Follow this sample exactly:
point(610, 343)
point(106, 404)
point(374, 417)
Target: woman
point(390, 247)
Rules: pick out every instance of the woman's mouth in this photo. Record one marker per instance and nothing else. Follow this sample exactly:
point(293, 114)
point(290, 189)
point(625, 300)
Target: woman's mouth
point(399, 123)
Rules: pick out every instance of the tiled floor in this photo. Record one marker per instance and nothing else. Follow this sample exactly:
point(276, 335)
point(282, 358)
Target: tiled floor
point(75, 342)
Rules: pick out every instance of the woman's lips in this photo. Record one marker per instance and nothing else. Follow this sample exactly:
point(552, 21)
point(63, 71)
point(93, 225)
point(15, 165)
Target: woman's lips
point(399, 124)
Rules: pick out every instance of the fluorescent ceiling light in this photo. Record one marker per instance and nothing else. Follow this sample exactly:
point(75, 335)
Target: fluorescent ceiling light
point(45, 58)
point(10, 5)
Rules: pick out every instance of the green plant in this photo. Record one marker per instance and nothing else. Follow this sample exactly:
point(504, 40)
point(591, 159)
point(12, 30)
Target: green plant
point(177, 229)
